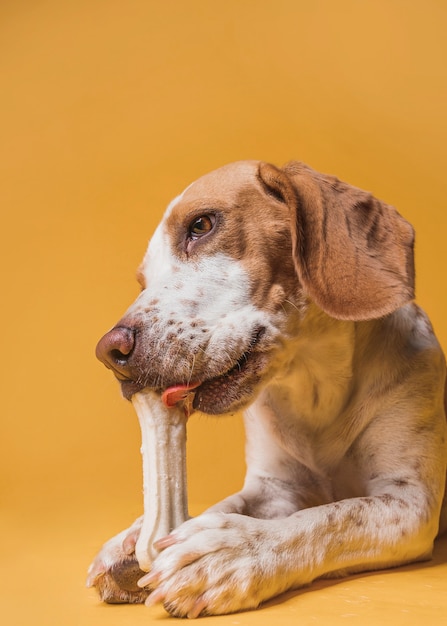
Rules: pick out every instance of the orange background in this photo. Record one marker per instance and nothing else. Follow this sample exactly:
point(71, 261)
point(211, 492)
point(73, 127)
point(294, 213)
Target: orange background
point(107, 110)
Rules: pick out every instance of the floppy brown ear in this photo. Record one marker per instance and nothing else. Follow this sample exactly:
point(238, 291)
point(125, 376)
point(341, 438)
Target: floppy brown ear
point(353, 253)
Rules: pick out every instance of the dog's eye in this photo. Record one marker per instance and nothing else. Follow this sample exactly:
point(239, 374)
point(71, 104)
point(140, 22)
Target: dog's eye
point(201, 226)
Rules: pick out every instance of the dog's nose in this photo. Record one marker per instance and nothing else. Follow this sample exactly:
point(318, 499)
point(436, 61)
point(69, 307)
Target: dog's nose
point(115, 348)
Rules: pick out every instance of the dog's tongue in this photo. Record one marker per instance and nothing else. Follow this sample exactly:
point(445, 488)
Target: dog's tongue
point(172, 395)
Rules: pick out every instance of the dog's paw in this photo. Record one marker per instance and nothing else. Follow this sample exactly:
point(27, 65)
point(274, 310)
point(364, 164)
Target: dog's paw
point(215, 564)
point(115, 570)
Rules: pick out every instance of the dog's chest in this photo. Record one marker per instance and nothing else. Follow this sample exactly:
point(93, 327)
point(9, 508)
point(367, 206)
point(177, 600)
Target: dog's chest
point(284, 444)
point(307, 412)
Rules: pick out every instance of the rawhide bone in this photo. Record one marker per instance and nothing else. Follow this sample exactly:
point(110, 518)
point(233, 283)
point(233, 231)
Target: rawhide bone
point(163, 430)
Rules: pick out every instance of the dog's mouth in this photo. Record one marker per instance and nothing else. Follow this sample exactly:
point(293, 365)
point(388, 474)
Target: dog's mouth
point(225, 392)
point(230, 390)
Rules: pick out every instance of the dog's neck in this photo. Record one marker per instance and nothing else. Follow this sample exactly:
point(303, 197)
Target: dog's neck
point(316, 369)
point(311, 387)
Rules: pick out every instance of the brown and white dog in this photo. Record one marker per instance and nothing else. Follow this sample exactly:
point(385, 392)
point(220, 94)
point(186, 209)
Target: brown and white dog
point(288, 294)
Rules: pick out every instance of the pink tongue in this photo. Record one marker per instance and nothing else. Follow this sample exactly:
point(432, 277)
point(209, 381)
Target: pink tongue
point(172, 395)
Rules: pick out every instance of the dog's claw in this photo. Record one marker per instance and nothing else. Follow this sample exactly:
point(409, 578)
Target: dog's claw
point(130, 541)
point(95, 571)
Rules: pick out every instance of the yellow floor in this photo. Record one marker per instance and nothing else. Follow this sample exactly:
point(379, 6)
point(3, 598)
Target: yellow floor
point(43, 572)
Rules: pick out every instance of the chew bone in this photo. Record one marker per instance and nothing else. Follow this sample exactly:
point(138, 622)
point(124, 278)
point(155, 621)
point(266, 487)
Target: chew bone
point(163, 449)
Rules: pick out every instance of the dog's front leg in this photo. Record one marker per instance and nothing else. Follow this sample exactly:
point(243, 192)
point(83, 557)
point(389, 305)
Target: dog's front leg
point(220, 563)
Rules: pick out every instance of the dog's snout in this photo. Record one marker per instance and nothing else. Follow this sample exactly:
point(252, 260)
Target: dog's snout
point(115, 348)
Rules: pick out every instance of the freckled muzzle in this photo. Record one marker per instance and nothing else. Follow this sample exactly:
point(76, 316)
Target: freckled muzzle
point(147, 353)
point(216, 387)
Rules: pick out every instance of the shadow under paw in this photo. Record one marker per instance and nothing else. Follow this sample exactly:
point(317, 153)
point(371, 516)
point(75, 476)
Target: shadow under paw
point(119, 584)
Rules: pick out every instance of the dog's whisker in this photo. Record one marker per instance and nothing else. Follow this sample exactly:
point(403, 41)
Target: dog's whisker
point(293, 305)
point(191, 368)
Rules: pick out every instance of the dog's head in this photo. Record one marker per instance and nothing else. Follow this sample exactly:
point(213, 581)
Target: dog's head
point(232, 267)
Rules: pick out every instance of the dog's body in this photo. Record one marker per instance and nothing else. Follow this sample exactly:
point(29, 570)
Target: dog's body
point(288, 294)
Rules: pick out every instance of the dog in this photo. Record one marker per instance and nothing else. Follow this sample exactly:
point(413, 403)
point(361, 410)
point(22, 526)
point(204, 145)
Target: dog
point(287, 294)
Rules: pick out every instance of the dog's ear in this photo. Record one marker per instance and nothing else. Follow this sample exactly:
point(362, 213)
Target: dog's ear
point(353, 253)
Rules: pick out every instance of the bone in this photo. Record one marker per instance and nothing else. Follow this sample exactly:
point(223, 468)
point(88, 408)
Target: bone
point(163, 450)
